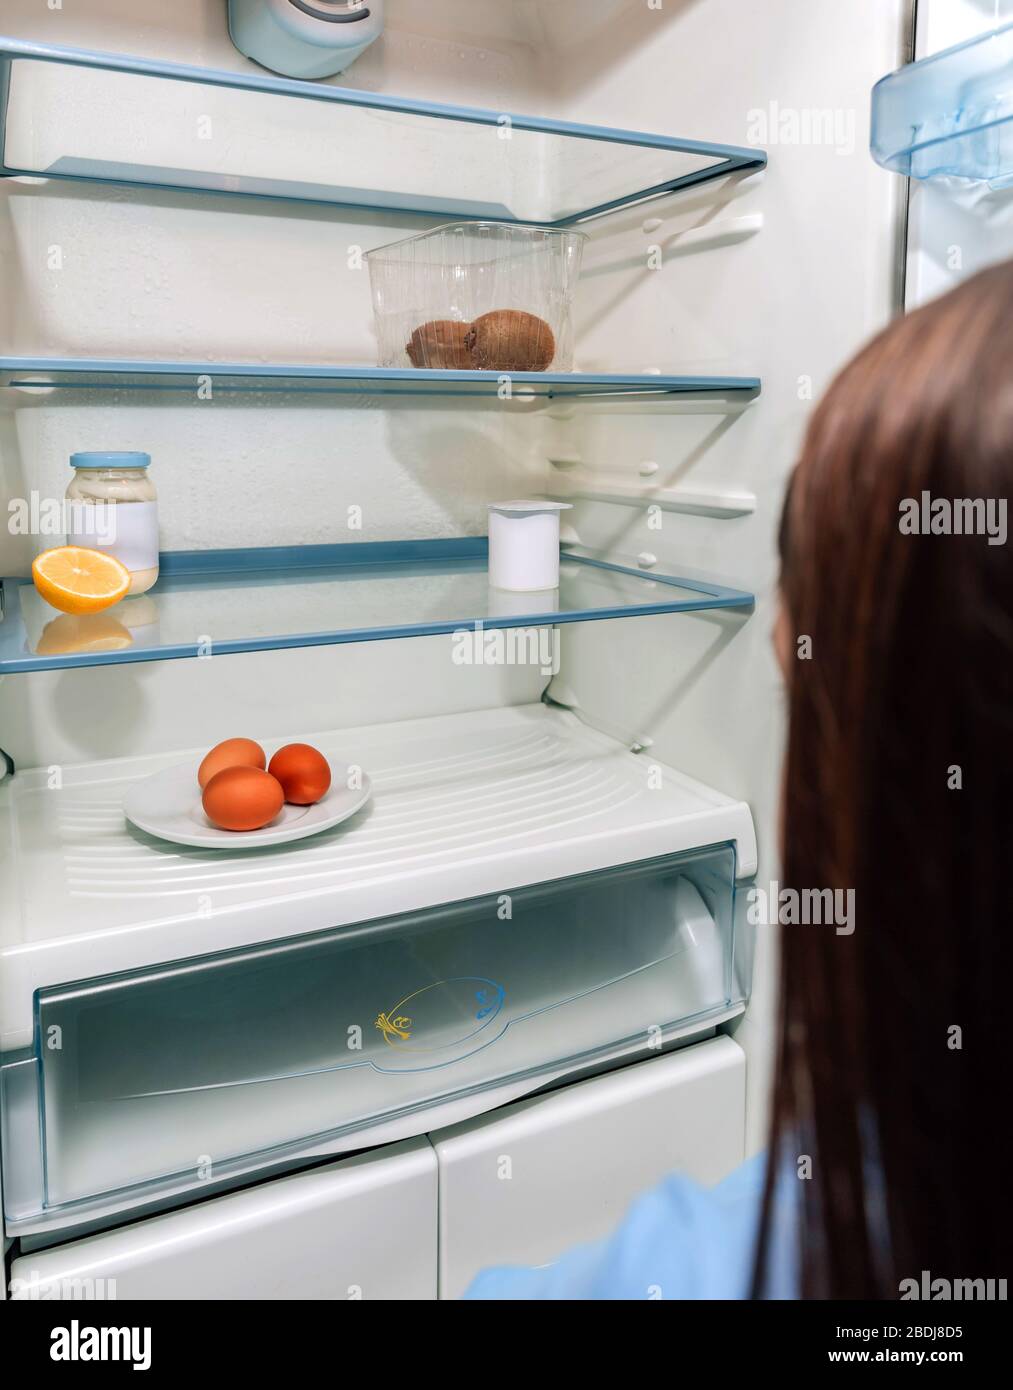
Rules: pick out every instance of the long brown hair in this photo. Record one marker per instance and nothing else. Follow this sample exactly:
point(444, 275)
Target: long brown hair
point(892, 1070)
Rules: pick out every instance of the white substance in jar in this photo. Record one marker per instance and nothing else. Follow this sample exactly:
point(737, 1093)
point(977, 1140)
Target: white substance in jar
point(112, 505)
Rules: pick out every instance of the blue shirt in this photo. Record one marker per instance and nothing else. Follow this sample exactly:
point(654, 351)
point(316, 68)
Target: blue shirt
point(679, 1241)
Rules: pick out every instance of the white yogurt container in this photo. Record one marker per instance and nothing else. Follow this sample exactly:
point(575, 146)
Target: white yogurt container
point(524, 545)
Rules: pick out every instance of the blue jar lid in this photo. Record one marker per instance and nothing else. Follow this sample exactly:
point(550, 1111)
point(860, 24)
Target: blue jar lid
point(110, 458)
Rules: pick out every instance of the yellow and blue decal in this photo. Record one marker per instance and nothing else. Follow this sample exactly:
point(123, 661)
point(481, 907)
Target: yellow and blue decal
point(441, 1015)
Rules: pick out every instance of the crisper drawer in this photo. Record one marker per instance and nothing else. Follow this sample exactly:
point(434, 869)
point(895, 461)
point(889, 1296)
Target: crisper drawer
point(535, 1179)
point(364, 1228)
point(176, 1075)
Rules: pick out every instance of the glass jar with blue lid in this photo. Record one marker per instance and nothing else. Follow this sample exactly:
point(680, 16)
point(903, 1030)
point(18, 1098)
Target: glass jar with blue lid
point(112, 505)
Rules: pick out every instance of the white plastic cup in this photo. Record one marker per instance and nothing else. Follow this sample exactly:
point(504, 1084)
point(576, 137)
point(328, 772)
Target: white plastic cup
point(524, 545)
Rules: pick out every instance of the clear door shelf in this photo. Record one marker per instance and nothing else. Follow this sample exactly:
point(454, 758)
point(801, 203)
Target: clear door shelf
point(37, 378)
point(226, 601)
point(951, 113)
point(74, 114)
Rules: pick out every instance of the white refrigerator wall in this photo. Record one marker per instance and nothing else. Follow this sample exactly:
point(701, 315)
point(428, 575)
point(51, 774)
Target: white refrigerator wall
point(956, 227)
point(780, 275)
point(789, 300)
point(91, 270)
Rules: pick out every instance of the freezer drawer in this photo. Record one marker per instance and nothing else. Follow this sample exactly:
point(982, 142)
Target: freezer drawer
point(181, 1074)
point(528, 1183)
point(362, 1228)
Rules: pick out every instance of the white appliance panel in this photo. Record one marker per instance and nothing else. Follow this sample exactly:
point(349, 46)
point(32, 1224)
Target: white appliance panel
point(528, 1182)
point(364, 1228)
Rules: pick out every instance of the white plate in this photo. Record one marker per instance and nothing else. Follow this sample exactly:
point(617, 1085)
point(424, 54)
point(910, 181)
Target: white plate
point(168, 804)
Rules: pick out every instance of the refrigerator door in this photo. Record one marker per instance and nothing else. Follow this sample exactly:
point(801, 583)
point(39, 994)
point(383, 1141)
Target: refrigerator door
point(956, 227)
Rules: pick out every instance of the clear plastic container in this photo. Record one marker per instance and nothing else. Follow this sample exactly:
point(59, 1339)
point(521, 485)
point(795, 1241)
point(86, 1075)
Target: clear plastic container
point(113, 506)
point(256, 1054)
point(486, 296)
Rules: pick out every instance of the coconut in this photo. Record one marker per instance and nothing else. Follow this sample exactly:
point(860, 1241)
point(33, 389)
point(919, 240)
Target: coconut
point(440, 343)
point(510, 340)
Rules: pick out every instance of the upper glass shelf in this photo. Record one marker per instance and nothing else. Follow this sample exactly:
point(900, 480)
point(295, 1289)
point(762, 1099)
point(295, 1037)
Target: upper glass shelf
point(215, 602)
point(70, 113)
point(39, 377)
point(950, 114)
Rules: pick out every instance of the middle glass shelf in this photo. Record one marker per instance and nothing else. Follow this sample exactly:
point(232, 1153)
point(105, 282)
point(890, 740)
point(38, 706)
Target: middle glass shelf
point(222, 601)
point(36, 378)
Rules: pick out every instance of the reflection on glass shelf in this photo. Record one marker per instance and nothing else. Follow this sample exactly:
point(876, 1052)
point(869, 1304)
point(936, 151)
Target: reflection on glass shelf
point(950, 114)
point(75, 114)
point(36, 378)
point(214, 602)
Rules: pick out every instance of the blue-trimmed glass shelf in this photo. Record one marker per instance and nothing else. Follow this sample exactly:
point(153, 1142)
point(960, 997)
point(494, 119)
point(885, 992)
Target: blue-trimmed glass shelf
point(39, 376)
point(951, 113)
point(221, 601)
point(73, 114)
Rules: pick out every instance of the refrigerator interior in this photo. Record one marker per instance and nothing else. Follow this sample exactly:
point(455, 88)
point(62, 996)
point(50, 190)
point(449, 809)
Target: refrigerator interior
point(778, 275)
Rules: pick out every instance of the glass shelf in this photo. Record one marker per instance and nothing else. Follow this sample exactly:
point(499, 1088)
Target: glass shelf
point(950, 114)
point(38, 377)
point(214, 602)
point(73, 114)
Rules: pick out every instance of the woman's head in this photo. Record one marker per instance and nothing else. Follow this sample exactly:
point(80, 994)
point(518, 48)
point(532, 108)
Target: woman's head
point(897, 639)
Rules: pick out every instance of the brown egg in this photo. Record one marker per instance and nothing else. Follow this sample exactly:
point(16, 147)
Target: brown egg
point(509, 340)
point(440, 343)
point(242, 798)
point(234, 752)
point(304, 773)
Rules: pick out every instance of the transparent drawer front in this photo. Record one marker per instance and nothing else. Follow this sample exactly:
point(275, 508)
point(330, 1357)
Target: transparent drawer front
point(179, 1071)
